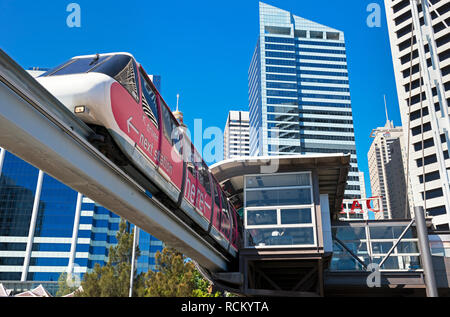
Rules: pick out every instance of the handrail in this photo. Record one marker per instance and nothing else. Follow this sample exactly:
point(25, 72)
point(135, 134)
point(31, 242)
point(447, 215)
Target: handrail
point(396, 243)
point(350, 251)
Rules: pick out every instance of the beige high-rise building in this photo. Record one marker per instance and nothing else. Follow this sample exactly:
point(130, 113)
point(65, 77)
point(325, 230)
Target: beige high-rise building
point(386, 158)
point(420, 28)
point(362, 184)
point(236, 138)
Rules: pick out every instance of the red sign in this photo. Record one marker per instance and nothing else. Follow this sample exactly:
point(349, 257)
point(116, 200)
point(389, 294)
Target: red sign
point(360, 206)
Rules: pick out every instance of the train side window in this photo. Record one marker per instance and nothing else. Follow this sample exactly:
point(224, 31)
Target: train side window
point(225, 210)
point(171, 130)
point(216, 195)
point(233, 222)
point(149, 101)
point(203, 173)
point(190, 163)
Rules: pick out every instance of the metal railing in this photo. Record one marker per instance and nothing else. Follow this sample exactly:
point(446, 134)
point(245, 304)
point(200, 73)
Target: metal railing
point(391, 245)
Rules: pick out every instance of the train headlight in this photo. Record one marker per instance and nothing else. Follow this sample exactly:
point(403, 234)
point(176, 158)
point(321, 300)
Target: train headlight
point(81, 109)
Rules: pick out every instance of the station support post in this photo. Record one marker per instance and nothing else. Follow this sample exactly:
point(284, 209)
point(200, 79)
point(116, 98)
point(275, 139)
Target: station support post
point(425, 253)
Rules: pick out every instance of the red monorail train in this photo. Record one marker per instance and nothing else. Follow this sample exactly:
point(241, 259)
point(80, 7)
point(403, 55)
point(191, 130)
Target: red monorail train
point(134, 127)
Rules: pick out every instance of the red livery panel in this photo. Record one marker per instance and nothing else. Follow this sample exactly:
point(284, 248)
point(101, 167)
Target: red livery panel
point(138, 115)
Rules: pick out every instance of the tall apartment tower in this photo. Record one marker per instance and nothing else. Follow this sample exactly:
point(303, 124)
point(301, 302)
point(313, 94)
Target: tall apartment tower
point(386, 158)
point(299, 94)
point(236, 138)
point(423, 88)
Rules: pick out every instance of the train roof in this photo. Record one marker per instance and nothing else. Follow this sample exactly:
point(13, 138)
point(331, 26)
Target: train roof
point(103, 54)
point(332, 171)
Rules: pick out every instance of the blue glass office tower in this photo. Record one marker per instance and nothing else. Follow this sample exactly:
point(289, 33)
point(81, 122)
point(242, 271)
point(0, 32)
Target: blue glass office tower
point(54, 244)
point(45, 254)
point(299, 94)
point(148, 246)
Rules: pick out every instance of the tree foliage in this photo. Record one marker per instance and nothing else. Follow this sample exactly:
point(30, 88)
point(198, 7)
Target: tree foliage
point(175, 276)
point(113, 279)
point(63, 286)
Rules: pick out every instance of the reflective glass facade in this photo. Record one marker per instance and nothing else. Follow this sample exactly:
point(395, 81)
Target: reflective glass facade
point(51, 247)
point(299, 94)
point(148, 246)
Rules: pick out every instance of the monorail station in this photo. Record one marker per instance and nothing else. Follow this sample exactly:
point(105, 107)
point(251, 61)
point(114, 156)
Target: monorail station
point(294, 243)
point(291, 241)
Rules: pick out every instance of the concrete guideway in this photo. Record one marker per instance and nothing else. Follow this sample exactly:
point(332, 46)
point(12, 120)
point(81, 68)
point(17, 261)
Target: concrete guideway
point(35, 126)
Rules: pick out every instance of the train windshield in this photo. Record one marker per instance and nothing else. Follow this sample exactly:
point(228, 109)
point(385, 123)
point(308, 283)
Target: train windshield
point(120, 67)
point(110, 65)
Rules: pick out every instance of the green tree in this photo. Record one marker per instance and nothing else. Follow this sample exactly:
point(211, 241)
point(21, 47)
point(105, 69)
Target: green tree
point(113, 279)
point(63, 286)
point(202, 287)
point(175, 276)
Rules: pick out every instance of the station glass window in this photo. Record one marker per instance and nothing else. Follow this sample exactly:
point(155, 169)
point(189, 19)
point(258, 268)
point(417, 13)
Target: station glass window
point(279, 211)
point(370, 243)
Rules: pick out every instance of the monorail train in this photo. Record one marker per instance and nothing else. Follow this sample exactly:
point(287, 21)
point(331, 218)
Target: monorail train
point(135, 128)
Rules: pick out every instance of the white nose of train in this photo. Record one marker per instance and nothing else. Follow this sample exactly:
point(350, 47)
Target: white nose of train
point(84, 94)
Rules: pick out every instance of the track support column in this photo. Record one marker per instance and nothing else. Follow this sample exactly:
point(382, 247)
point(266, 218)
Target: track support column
point(425, 253)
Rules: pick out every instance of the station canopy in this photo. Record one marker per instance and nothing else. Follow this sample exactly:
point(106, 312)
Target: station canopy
point(332, 170)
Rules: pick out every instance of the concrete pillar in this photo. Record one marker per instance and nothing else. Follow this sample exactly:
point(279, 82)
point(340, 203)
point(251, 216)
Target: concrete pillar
point(2, 159)
point(34, 214)
point(76, 225)
point(133, 259)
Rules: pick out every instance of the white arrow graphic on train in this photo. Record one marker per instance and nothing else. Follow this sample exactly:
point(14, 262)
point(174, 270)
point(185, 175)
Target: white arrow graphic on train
point(129, 124)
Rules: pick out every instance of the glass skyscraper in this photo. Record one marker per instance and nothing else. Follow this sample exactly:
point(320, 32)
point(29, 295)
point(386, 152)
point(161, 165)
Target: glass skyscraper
point(49, 251)
point(54, 243)
point(46, 228)
point(299, 94)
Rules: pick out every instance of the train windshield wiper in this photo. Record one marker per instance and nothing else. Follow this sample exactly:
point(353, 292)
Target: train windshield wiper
point(95, 59)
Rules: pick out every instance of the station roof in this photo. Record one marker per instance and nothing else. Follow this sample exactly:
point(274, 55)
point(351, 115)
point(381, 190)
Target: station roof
point(332, 171)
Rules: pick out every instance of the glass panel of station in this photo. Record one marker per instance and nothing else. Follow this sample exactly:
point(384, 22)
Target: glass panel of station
point(371, 243)
point(440, 244)
point(279, 211)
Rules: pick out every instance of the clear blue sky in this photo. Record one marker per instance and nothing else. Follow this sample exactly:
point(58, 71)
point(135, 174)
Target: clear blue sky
point(202, 49)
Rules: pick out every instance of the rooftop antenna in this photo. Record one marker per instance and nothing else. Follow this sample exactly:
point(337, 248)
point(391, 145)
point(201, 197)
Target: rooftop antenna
point(388, 123)
point(385, 108)
point(178, 115)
